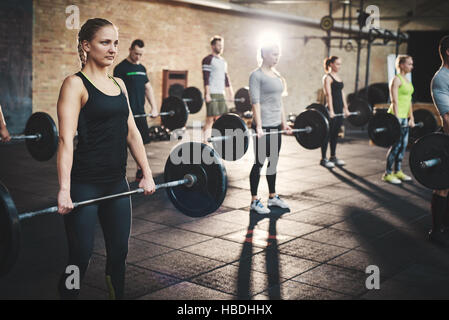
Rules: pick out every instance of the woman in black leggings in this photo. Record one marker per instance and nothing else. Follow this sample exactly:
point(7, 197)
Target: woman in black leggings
point(266, 87)
point(336, 103)
point(96, 105)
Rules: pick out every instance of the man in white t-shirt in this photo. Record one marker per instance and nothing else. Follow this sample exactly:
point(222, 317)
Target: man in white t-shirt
point(216, 82)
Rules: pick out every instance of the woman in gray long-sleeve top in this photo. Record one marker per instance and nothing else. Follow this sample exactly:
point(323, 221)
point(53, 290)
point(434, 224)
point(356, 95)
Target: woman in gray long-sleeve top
point(266, 87)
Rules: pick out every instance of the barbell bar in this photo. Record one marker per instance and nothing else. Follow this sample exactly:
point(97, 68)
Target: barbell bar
point(160, 114)
point(359, 111)
point(189, 180)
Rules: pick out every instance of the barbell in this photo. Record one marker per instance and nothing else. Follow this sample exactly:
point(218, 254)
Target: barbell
point(429, 160)
point(384, 128)
point(40, 136)
point(230, 135)
point(196, 183)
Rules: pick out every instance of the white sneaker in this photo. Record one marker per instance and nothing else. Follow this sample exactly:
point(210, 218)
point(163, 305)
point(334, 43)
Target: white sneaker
point(327, 164)
point(257, 206)
point(277, 202)
point(337, 161)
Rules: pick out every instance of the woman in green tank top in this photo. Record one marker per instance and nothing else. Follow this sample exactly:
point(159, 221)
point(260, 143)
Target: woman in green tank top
point(401, 91)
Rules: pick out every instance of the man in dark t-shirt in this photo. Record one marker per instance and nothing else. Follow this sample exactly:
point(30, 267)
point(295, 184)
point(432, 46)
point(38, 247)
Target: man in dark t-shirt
point(138, 86)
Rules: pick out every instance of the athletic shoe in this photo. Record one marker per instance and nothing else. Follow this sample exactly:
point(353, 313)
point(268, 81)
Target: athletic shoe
point(257, 206)
point(327, 164)
point(337, 161)
point(277, 202)
point(402, 176)
point(139, 175)
point(391, 178)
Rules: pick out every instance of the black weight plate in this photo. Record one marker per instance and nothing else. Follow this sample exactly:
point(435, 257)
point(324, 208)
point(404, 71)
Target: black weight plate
point(433, 145)
point(364, 109)
point(245, 105)
point(176, 90)
point(378, 93)
point(319, 107)
point(230, 124)
point(207, 195)
point(179, 119)
point(44, 148)
point(9, 232)
point(388, 137)
point(320, 129)
point(429, 121)
point(194, 97)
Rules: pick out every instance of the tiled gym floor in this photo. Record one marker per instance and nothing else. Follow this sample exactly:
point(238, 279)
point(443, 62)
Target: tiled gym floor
point(340, 222)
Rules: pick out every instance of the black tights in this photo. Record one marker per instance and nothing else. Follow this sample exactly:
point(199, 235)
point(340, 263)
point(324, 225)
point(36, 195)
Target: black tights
point(334, 127)
point(267, 146)
point(115, 219)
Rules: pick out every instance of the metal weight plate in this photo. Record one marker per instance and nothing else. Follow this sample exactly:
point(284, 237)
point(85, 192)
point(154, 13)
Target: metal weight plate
point(387, 137)
point(364, 109)
point(326, 23)
point(433, 145)
point(208, 193)
point(429, 124)
point(194, 97)
point(179, 119)
point(245, 105)
point(9, 232)
point(230, 124)
point(44, 148)
point(320, 129)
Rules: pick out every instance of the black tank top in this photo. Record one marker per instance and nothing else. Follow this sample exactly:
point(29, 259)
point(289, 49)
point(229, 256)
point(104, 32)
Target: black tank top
point(101, 153)
point(337, 97)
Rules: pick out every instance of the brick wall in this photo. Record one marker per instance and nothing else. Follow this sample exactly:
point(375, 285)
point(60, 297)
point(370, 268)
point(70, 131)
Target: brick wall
point(176, 37)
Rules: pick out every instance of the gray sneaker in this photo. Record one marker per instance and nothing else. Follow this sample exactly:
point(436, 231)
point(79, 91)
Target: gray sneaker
point(327, 164)
point(277, 202)
point(258, 207)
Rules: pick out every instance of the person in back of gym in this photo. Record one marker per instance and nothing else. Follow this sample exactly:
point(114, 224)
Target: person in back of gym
point(336, 103)
point(96, 105)
point(4, 134)
point(216, 82)
point(440, 95)
point(401, 91)
point(134, 75)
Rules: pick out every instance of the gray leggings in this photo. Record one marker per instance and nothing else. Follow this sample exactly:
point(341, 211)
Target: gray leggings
point(115, 219)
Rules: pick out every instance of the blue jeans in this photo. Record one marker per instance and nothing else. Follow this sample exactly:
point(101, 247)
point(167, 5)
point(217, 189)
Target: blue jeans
point(396, 152)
